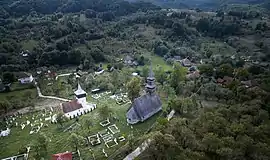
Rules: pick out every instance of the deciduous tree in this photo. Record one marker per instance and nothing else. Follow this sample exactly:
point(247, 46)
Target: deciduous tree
point(133, 88)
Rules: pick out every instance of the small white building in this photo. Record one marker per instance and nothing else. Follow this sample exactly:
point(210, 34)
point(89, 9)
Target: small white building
point(79, 106)
point(5, 133)
point(25, 78)
point(134, 74)
point(99, 72)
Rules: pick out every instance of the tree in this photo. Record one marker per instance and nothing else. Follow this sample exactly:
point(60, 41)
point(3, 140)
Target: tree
point(161, 50)
point(40, 147)
point(182, 105)
point(206, 69)
point(133, 88)
point(177, 76)
point(9, 77)
point(115, 79)
point(61, 118)
point(161, 75)
point(104, 112)
point(242, 73)
point(224, 70)
point(74, 140)
point(5, 105)
point(163, 146)
point(170, 92)
point(145, 71)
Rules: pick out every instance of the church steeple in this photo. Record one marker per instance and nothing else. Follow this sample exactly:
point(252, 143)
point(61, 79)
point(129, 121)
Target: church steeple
point(150, 86)
point(80, 94)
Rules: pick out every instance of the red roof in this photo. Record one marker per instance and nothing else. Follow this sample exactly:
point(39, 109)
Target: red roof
point(62, 156)
point(219, 80)
point(71, 106)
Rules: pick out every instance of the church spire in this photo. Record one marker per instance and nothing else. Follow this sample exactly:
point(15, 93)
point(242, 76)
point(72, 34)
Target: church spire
point(151, 73)
point(79, 91)
point(150, 86)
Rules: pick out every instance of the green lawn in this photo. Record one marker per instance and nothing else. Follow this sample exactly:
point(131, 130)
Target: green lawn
point(157, 62)
point(19, 94)
point(58, 139)
point(29, 45)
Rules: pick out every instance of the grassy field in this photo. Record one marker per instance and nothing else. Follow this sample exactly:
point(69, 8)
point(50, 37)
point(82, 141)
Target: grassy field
point(157, 62)
point(29, 45)
point(19, 94)
point(58, 138)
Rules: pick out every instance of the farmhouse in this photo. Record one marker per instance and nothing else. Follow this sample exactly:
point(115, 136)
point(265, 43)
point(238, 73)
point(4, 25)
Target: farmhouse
point(24, 78)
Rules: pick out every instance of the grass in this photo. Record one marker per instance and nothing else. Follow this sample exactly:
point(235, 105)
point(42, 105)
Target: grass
point(19, 94)
point(29, 45)
point(16, 86)
point(58, 139)
point(157, 62)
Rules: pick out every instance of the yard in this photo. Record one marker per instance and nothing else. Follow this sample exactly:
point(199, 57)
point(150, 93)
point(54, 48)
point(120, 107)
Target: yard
point(58, 138)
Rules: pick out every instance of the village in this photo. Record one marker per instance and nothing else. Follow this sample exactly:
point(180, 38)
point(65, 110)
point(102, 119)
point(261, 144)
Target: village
point(103, 131)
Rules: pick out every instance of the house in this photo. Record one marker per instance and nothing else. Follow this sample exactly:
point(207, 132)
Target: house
point(25, 53)
point(225, 80)
point(186, 62)
point(249, 83)
point(24, 78)
point(147, 105)
point(78, 106)
point(62, 156)
point(193, 75)
point(129, 61)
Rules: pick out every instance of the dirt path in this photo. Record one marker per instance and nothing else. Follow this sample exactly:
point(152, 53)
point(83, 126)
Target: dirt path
point(49, 97)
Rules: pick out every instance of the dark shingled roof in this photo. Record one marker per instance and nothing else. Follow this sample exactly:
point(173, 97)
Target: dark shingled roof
point(22, 75)
point(71, 106)
point(143, 108)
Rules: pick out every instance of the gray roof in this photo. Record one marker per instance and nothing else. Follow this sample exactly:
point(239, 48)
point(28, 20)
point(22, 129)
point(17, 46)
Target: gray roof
point(143, 108)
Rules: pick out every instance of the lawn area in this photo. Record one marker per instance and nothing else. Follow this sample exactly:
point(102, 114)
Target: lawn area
point(16, 86)
point(58, 138)
point(29, 45)
point(157, 62)
point(19, 94)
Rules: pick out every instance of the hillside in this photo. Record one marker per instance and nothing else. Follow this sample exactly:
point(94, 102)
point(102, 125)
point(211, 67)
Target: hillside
point(207, 62)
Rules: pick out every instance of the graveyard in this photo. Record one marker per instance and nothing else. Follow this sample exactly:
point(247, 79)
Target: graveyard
point(101, 136)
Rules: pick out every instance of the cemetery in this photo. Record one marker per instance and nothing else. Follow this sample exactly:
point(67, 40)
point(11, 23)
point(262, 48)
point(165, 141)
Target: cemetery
point(103, 137)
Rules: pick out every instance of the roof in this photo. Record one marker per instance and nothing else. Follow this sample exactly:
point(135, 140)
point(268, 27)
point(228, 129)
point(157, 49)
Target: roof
point(62, 156)
point(186, 62)
point(79, 91)
point(128, 58)
point(193, 75)
point(20, 75)
point(71, 106)
point(143, 108)
point(220, 80)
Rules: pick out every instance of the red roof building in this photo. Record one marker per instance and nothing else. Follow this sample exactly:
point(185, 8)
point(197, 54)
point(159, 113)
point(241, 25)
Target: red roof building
point(71, 106)
point(62, 156)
